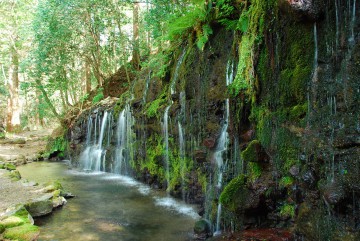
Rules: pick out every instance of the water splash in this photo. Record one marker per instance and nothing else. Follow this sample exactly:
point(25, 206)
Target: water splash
point(230, 72)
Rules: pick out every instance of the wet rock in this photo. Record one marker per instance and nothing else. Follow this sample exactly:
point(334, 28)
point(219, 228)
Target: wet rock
point(294, 171)
point(39, 208)
point(200, 156)
point(247, 136)
point(333, 192)
point(309, 9)
point(209, 143)
point(309, 177)
point(254, 152)
point(202, 230)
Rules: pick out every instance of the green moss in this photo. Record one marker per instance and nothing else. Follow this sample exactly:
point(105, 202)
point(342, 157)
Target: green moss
point(250, 154)
point(12, 221)
point(234, 193)
point(24, 232)
point(15, 175)
point(10, 166)
point(254, 171)
point(286, 182)
point(287, 211)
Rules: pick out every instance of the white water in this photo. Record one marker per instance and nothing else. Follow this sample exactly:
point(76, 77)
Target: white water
point(93, 157)
point(176, 72)
point(315, 70)
point(229, 72)
point(352, 24)
point(219, 161)
point(165, 129)
point(124, 142)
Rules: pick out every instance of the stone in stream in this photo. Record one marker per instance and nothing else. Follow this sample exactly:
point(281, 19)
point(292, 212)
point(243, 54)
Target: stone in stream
point(39, 208)
point(202, 230)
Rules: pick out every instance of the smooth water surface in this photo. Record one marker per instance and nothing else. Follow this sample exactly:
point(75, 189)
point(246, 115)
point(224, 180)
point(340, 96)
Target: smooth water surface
point(110, 207)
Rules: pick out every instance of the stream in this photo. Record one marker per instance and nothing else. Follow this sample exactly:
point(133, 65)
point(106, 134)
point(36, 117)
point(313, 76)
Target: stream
point(110, 207)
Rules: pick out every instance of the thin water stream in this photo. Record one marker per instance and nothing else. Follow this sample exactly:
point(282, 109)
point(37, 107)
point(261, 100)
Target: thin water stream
point(110, 207)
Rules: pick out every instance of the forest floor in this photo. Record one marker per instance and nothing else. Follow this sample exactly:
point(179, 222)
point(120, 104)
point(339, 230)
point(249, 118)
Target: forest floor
point(24, 147)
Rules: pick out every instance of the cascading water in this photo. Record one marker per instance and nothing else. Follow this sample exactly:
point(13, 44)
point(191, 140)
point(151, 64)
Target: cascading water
point(93, 157)
point(176, 72)
point(182, 141)
point(124, 149)
point(165, 129)
point(219, 161)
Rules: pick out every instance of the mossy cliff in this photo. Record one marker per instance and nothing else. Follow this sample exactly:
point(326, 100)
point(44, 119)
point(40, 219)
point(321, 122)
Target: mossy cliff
point(290, 73)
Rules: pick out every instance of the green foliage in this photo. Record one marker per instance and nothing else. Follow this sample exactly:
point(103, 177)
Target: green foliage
point(154, 154)
point(203, 36)
point(287, 211)
point(190, 20)
point(99, 96)
point(152, 107)
point(254, 171)
point(234, 193)
point(58, 144)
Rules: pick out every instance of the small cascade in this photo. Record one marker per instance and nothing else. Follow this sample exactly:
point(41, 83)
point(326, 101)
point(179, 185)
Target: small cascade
point(182, 157)
point(176, 72)
point(182, 140)
point(219, 161)
point(165, 129)
point(124, 142)
point(146, 87)
point(230, 72)
point(316, 53)
point(93, 157)
point(352, 24)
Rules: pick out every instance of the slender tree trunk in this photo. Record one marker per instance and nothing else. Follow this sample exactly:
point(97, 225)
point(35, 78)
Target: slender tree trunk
point(47, 100)
point(13, 114)
point(38, 118)
point(87, 77)
point(136, 47)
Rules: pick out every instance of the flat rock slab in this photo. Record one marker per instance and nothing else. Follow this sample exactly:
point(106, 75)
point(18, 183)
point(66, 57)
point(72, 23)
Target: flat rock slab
point(14, 192)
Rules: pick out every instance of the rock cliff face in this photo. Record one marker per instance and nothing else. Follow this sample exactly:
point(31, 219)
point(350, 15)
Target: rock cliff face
point(261, 127)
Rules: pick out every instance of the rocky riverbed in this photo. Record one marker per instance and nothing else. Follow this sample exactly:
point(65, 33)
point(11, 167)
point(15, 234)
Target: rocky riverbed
point(22, 200)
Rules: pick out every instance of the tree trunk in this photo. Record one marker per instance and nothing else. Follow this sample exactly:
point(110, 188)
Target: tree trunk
point(87, 77)
point(47, 100)
point(13, 110)
point(136, 47)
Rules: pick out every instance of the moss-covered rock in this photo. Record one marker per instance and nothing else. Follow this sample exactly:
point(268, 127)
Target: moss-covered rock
point(26, 232)
point(39, 208)
point(15, 175)
point(12, 221)
point(234, 194)
point(10, 166)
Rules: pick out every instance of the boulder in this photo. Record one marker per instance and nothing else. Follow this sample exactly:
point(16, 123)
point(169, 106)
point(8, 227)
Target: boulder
point(202, 230)
point(39, 208)
point(26, 232)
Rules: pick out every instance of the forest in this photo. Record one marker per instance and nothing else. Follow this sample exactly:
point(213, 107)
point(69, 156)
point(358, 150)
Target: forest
point(180, 120)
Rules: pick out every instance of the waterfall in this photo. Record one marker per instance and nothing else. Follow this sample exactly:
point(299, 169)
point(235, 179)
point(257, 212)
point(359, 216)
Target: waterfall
point(124, 142)
point(146, 87)
point(337, 24)
point(165, 129)
point(176, 72)
point(93, 157)
point(219, 161)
